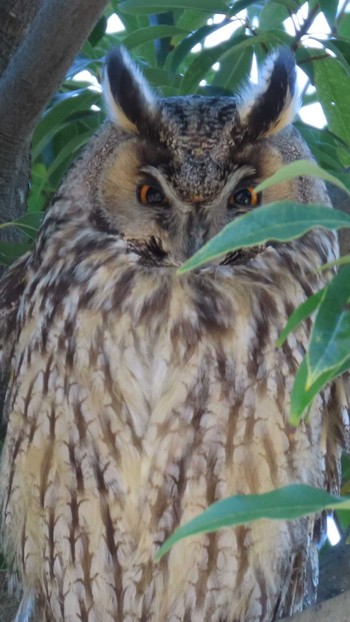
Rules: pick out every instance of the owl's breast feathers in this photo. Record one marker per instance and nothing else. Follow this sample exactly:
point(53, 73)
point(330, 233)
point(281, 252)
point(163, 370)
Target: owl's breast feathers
point(138, 398)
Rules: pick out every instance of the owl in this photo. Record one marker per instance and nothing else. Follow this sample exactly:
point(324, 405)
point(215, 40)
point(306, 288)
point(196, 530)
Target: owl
point(139, 396)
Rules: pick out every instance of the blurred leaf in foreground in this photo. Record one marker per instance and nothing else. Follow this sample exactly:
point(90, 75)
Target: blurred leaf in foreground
point(284, 503)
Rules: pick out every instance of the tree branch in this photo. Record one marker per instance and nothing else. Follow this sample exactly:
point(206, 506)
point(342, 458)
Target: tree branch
point(15, 22)
point(38, 67)
point(34, 74)
point(305, 26)
point(335, 609)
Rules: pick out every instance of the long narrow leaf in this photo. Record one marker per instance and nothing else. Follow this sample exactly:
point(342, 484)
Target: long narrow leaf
point(184, 47)
point(330, 336)
point(333, 89)
point(280, 221)
point(303, 393)
point(285, 503)
point(204, 61)
point(144, 35)
point(304, 168)
point(140, 7)
point(341, 261)
point(57, 116)
point(300, 314)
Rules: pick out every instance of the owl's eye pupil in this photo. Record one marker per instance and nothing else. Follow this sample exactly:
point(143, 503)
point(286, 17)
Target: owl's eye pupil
point(151, 195)
point(244, 197)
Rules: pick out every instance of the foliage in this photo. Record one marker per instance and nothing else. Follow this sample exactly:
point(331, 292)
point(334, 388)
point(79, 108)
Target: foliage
point(173, 40)
point(284, 503)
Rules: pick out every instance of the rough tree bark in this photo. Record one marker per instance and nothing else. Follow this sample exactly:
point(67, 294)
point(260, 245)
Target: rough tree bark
point(34, 62)
point(15, 21)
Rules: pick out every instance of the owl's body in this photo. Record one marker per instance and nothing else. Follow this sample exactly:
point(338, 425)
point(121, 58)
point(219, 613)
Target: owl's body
point(140, 396)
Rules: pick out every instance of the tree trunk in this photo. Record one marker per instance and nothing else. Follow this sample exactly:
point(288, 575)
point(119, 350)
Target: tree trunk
point(15, 21)
point(40, 40)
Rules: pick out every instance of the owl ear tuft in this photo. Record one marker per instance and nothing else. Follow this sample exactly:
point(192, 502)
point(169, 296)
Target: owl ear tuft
point(270, 105)
point(130, 101)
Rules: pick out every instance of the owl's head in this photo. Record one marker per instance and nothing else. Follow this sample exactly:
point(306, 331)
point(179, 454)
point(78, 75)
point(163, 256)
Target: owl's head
point(181, 168)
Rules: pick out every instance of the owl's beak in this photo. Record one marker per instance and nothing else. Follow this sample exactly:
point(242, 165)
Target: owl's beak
point(191, 235)
point(197, 232)
point(196, 199)
point(195, 243)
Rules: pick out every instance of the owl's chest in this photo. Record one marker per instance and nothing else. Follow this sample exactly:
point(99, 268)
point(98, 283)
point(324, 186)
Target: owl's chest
point(155, 371)
point(144, 346)
point(139, 403)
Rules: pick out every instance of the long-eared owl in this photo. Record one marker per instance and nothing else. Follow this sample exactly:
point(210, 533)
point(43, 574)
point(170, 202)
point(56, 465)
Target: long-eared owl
point(139, 396)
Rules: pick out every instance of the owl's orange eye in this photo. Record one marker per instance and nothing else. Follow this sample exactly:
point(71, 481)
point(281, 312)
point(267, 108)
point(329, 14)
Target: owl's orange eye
point(244, 197)
point(151, 195)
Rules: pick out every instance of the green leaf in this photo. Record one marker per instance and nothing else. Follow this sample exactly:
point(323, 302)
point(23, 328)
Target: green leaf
point(98, 31)
point(191, 20)
point(305, 59)
point(88, 50)
point(341, 261)
point(160, 6)
point(145, 35)
point(344, 25)
point(329, 9)
point(325, 147)
point(272, 16)
point(293, 5)
point(299, 315)
point(285, 503)
point(59, 114)
point(37, 200)
point(233, 70)
point(333, 88)
point(80, 64)
point(10, 251)
point(182, 50)
point(303, 168)
point(280, 221)
point(28, 223)
point(63, 158)
point(340, 47)
point(206, 59)
point(161, 78)
point(330, 336)
point(303, 393)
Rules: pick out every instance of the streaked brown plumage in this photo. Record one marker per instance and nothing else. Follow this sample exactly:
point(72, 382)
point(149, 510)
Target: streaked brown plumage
point(138, 397)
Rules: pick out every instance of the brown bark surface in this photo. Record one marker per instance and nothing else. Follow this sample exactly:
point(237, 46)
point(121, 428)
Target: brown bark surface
point(49, 35)
point(16, 17)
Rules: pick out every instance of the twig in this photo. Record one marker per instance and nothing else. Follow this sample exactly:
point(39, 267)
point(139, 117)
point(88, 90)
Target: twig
point(305, 26)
